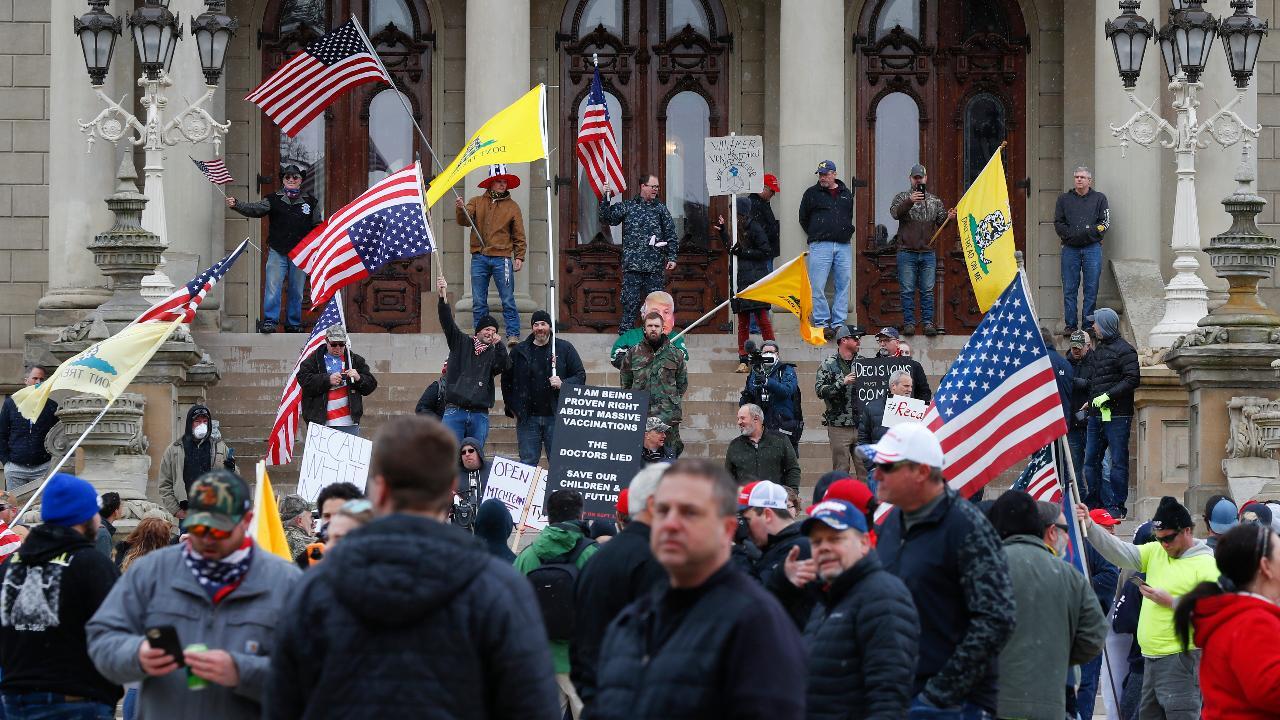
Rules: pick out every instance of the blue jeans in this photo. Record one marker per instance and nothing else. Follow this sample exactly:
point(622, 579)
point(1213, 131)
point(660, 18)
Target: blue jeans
point(130, 703)
point(1075, 443)
point(1108, 490)
point(532, 435)
point(1087, 695)
point(51, 706)
point(1077, 260)
point(277, 267)
point(467, 424)
point(920, 710)
point(830, 260)
point(917, 270)
point(501, 270)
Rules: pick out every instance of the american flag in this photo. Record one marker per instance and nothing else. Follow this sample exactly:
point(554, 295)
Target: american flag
point(388, 222)
point(215, 170)
point(597, 148)
point(285, 429)
point(186, 299)
point(303, 87)
point(1040, 478)
point(10, 541)
point(998, 402)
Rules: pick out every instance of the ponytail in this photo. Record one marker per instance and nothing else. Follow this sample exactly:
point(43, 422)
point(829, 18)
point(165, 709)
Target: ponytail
point(1182, 614)
point(1239, 554)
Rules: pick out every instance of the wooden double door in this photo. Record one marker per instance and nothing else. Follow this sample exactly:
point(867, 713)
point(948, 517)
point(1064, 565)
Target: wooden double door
point(941, 83)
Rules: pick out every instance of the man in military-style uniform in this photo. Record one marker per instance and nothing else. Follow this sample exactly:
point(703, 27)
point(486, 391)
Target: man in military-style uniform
point(658, 367)
point(837, 385)
point(649, 245)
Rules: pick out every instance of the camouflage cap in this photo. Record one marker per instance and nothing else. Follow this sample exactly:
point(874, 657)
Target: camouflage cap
point(291, 506)
point(655, 424)
point(219, 499)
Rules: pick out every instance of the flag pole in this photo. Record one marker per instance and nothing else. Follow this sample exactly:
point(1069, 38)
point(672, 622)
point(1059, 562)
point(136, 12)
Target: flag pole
point(733, 258)
point(17, 520)
point(215, 185)
point(551, 237)
point(701, 320)
point(342, 317)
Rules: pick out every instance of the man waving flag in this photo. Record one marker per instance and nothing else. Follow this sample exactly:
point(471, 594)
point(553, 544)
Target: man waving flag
point(285, 429)
point(597, 147)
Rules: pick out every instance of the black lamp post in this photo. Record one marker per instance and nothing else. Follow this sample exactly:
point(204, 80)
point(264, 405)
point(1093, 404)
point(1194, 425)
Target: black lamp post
point(1242, 35)
point(1129, 35)
point(1193, 34)
point(156, 32)
point(213, 30)
point(98, 30)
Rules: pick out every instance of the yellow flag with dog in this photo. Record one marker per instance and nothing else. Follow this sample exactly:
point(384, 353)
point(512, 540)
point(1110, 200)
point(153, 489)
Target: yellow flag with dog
point(986, 232)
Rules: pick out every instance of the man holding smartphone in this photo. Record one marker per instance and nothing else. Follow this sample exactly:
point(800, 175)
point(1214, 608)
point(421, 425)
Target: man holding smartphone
point(919, 214)
point(210, 603)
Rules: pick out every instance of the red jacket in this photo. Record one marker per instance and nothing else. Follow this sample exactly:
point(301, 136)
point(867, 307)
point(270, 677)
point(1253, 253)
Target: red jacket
point(1240, 665)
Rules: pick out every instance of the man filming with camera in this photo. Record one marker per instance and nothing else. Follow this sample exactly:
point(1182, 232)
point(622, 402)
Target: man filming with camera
point(473, 476)
point(919, 214)
point(774, 387)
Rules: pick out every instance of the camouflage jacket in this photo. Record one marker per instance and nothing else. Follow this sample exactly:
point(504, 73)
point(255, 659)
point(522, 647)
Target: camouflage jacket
point(843, 407)
point(298, 540)
point(649, 239)
point(633, 337)
point(661, 373)
point(917, 221)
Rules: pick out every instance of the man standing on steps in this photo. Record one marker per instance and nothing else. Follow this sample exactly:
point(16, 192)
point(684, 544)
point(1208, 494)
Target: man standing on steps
point(649, 244)
point(837, 385)
point(891, 346)
point(1080, 217)
point(826, 215)
point(531, 390)
point(758, 455)
point(497, 246)
point(919, 215)
point(194, 453)
point(474, 362)
point(658, 367)
point(334, 383)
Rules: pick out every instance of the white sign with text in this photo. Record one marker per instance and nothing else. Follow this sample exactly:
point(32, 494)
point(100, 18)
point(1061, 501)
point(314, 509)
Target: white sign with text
point(332, 456)
point(735, 164)
point(511, 482)
point(900, 409)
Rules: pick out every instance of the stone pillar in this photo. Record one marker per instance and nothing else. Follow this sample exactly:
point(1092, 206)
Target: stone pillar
point(811, 98)
point(497, 75)
point(1161, 433)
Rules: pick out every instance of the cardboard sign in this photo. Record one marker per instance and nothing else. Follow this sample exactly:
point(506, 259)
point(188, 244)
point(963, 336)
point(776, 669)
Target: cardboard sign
point(900, 409)
point(735, 164)
point(536, 517)
point(332, 456)
point(873, 376)
point(511, 482)
point(598, 435)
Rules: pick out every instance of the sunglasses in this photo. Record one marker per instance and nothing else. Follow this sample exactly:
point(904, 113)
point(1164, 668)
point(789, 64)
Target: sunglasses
point(207, 531)
point(337, 344)
point(1167, 539)
point(468, 451)
point(1063, 527)
point(890, 467)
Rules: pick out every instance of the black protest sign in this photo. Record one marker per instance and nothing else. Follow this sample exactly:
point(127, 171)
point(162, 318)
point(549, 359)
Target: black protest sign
point(598, 436)
point(873, 376)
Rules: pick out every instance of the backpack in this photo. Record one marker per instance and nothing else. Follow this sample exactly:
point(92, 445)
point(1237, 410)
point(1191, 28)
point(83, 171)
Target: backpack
point(553, 584)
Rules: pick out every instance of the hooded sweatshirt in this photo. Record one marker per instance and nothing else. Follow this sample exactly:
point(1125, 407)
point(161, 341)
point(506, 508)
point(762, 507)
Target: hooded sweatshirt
point(1113, 365)
point(493, 526)
point(188, 458)
point(554, 541)
point(1240, 665)
point(415, 614)
point(478, 478)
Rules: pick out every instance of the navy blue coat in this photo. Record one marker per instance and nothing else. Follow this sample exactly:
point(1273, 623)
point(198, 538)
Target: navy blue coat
point(22, 441)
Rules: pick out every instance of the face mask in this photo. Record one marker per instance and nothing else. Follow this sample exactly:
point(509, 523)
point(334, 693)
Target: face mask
point(200, 431)
point(292, 193)
point(769, 358)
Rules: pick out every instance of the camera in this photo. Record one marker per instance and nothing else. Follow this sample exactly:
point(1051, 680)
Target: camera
point(466, 503)
point(921, 188)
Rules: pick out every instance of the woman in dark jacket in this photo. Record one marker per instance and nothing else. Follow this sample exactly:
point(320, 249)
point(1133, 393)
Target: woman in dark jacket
point(752, 251)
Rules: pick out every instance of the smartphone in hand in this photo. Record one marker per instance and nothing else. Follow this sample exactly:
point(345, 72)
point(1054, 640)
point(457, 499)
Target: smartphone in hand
point(165, 637)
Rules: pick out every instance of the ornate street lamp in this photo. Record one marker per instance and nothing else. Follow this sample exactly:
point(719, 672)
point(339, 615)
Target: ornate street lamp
point(1129, 35)
point(1193, 34)
point(155, 34)
point(213, 30)
point(98, 30)
point(1168, 50)
point(1242, 35)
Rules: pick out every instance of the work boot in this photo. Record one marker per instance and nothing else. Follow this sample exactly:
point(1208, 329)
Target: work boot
point(266, 327)
point(908, 330)
point(742, 368)
point(513, 340)
point(828, 333)
point(294, 328)
point(930, 329)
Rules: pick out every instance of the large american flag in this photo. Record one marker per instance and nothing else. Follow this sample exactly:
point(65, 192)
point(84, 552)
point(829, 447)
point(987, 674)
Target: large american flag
point(998, 402)
point(388, 222)
point(1040, 478)
point(597, 148)
point(285, 429)
point(186, 299)
point(215, 170)
point(303, 87)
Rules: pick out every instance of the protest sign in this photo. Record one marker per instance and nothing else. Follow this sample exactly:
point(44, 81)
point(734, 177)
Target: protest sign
point(332, 456)
point(536, 517)
point(511, 482)
point(900, 409)
point(598, 435)
point(873, 376)
point(735, 164)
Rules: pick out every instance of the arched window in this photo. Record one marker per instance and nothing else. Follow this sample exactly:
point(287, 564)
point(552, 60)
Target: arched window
point(685, 188)
point(589, 227)
point(602, 12)
point(390, 135)
point(686, 12)
point(897, 149)
point(898, 13)
point(389, 12)
point(984, 129)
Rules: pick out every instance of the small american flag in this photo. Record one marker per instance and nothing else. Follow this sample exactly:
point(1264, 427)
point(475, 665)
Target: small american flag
point(285, 429)
point(1040, 478)
point(186, 299)
point(388, 222)
point(597, 148)
point(998, 402)
point(303, 87)
point(215, 170)
point(10, 541)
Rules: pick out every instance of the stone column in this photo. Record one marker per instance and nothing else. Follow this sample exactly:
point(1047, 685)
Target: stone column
point(497, 75)
point(811, 97)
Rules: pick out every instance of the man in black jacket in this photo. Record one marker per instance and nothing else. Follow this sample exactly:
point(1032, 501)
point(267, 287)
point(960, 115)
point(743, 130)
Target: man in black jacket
point(22, 442)
point(474, 361)
point(863, 639)
point(51, 588)
point(774, 530)
point(531, 386)
point(409, 617)
point(891, 346)
point(334, 382)
point(291, 214)
point(432, 401)
point(713, 644)
point(1080, 217)
point(1080, 359)
point(623, 570)
point(826, 214)
point(1114, 375)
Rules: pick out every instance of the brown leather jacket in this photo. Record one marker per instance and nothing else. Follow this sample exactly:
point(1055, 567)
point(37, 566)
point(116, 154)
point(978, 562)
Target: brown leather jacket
point(500, 223)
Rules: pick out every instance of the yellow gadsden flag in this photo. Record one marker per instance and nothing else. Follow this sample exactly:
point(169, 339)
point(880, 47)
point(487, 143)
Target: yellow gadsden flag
point(105, 368)
point(514, 135)
point(986, 233)
point(788, 287)
point(266, 528)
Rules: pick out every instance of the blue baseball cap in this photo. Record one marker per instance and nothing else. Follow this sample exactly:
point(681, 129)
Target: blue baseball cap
point(1222, 515)
point(838, 515)
point(825, 166)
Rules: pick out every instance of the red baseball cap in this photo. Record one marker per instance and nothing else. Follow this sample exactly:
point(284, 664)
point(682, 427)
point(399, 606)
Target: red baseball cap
point(622, 502)
point(1101, 517)
point(771, 182)
point(850, 490)
point(744, 495)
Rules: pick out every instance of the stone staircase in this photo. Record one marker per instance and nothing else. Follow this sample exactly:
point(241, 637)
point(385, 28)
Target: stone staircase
point(254, 368)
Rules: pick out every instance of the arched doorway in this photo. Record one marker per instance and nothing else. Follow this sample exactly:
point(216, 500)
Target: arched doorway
point(360, 137)
point(662, 64)
point(940, 83)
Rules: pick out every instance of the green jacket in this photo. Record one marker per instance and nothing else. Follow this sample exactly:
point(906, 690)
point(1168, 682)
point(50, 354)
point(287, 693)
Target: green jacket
point(843, 408)
point(1175, 575)
point(1059, 624)
point(661, 373)
point(773, 459)
point(554, 541)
